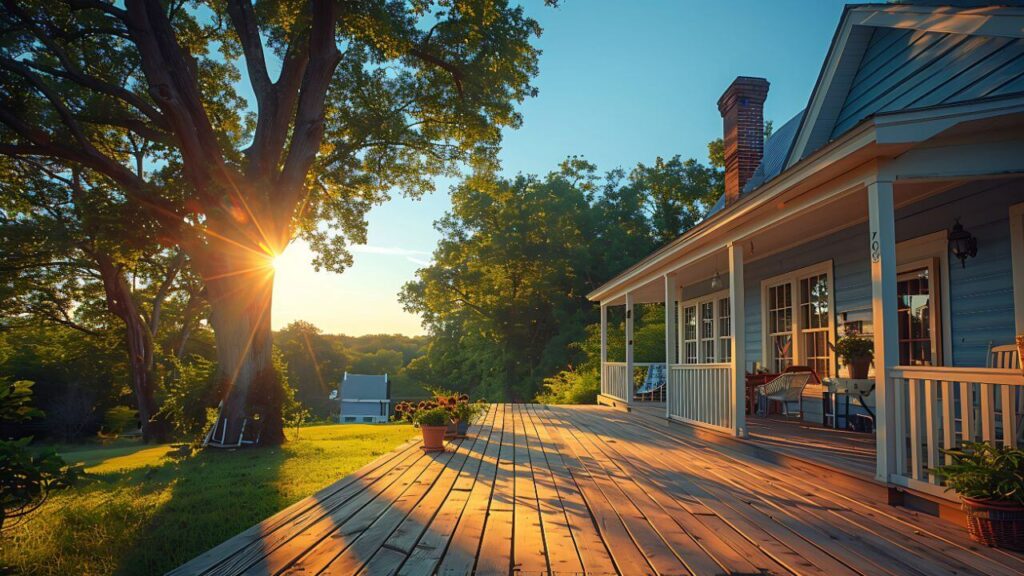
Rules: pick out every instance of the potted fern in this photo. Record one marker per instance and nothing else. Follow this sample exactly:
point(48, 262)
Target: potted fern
point(857, 353)
point(990, 482)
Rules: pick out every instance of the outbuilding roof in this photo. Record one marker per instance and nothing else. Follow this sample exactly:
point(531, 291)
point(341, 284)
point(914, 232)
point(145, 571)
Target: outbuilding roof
point(364, 386)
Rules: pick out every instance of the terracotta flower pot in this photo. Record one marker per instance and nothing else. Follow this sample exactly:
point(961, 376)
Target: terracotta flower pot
point(859, 368)
point(996, 524)
point(433, 438)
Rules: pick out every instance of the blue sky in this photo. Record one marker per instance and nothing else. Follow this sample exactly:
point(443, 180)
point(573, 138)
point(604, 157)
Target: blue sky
point(620, 83)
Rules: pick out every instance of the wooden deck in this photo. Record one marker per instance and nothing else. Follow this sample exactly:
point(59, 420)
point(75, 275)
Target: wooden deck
point(568, 490)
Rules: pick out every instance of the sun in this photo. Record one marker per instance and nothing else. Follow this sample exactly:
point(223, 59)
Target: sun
point(276, 262)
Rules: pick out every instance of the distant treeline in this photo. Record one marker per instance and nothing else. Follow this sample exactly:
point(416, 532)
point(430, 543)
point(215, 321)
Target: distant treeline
point(316, 362)
point(82, 379)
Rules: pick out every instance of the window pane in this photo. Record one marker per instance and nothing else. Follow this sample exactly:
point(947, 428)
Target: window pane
point(914, 317)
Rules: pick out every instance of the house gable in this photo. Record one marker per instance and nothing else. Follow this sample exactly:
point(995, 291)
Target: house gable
point(898, 57)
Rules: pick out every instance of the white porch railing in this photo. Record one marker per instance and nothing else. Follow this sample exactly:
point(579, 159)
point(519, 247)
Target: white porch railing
point(701, 394)
point(617, 383)
point(939, 408)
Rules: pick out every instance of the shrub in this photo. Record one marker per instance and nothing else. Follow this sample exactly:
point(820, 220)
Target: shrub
point(119, 418)
point(26, 479)
point(189, 393)
point(982, 471)
point(571, 387)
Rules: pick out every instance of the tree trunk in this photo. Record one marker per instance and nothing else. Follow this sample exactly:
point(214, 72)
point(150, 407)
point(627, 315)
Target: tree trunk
point(240, 297)
point(140, 350)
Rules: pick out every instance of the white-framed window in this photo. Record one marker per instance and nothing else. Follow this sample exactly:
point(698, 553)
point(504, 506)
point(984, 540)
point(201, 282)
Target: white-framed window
point(689, 327)
point(798, 324)
point(724, 330)
point(706, 334)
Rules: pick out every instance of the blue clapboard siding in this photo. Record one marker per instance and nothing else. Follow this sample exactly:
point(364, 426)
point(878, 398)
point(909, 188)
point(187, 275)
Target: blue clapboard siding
point(981, 295)
point(905, 69)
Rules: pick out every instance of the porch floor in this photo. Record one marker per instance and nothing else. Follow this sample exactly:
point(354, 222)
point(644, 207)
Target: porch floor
point(587, 489)
point(843, 450)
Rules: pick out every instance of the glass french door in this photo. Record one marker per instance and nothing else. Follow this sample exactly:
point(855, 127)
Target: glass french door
point(916, 312)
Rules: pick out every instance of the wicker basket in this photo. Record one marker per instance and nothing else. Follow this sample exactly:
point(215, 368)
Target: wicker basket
point(995, 524)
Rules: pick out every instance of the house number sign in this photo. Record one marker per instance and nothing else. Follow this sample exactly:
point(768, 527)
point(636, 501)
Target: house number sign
point(876, 247)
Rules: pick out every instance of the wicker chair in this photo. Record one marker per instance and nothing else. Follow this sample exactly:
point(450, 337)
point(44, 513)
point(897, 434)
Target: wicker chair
point(787, 388)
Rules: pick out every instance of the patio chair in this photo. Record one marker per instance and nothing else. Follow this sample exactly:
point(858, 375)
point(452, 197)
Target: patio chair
point(787, 388)
point(654, 382)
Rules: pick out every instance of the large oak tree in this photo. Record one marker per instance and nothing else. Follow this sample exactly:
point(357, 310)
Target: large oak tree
point(352, 98)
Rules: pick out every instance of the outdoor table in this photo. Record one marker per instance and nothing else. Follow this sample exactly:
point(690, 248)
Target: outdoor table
point(844, 388)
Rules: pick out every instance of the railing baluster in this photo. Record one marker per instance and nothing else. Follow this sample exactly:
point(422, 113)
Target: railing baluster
point(931, 422)
point(988, 412)
point(966, 412)
point(913, 391)
point(1008, 396)
point(900, 433)
point(948, 418)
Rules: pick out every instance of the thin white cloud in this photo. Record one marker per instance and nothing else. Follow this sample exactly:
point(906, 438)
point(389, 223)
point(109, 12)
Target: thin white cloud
point(418, 257)
point(386, 250)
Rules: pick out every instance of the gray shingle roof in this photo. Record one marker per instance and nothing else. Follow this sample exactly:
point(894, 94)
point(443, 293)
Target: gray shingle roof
point(365, 386)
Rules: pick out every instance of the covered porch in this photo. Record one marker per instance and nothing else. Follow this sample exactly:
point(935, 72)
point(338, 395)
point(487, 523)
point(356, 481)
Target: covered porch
point(852, 240)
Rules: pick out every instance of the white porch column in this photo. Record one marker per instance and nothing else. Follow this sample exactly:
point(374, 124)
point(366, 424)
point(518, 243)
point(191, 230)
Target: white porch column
point(737, 327)
point(884, 321)
point(670, 334)
point(604, 348)
point(629, 350)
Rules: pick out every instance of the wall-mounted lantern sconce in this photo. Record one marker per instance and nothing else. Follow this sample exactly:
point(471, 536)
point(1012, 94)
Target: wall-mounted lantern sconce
point(962, 243)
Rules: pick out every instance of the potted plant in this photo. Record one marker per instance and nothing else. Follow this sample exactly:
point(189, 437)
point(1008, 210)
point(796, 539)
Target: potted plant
point(857, 353)
point(990, 482)
point(464, 413)
point(432, 423)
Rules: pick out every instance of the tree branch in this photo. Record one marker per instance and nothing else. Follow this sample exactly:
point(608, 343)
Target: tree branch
point(308, 131)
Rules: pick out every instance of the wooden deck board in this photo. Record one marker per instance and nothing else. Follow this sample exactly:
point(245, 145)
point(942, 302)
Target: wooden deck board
point(569, 490)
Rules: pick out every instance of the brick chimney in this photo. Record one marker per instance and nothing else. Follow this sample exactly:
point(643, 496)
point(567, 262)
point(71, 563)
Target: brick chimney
point(742, 109)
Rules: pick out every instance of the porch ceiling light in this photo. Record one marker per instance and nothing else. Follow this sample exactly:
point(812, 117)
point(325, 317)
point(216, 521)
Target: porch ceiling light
point(716, 281)
point(962, 243)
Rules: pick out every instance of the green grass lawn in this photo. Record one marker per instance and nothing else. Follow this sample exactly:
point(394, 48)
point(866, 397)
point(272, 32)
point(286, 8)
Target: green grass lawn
point(146, 509)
